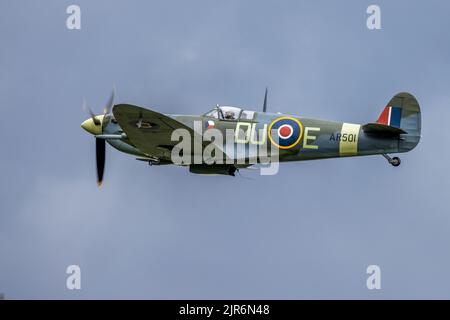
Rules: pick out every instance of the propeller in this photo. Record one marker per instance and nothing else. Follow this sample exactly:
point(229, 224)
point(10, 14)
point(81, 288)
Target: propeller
point(106, 110)
point(100, 145)
point(100, 149)
point(110, 103)
point(92, 114)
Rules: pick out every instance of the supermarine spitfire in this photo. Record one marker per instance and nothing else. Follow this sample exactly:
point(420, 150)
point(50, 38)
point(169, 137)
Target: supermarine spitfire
point(148, 134)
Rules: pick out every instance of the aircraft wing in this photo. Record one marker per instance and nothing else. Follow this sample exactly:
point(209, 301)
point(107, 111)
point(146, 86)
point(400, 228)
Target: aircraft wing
point(148, 130)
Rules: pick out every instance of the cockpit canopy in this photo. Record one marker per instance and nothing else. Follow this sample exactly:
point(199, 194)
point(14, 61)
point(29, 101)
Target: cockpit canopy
point(230, 113)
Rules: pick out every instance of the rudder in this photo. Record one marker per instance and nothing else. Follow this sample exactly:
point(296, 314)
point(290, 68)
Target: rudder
point(403, 112)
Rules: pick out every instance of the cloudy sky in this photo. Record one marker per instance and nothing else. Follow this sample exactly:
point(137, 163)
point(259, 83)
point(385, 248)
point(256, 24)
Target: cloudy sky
point(160, 232)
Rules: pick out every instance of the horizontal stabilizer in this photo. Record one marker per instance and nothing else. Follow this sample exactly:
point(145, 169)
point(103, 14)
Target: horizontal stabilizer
point(382, 129)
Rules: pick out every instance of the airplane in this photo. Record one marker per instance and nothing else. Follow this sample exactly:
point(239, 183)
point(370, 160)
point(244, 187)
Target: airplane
point(146, 134)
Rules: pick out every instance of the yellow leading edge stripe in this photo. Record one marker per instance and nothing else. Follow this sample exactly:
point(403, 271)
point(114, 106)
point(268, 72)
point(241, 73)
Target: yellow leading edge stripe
point(348, 144)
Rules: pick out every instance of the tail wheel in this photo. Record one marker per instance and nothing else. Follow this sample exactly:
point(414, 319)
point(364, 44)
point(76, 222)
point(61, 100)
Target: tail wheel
point(395, 161)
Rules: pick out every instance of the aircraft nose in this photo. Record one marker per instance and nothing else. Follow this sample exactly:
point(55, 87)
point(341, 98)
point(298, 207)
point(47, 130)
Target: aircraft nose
point(91, 127)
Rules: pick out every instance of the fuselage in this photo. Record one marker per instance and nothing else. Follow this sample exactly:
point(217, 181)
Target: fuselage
point(315, 139)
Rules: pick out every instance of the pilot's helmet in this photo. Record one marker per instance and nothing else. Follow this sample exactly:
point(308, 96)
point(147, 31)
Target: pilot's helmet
point(229, 114)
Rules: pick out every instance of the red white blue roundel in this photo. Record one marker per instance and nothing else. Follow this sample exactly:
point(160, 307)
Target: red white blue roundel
point(285, 132)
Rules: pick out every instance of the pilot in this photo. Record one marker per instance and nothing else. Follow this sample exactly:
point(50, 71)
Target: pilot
point(229, 115)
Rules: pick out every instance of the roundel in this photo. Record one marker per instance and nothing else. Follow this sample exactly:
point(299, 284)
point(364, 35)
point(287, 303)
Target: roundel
point(285, 132)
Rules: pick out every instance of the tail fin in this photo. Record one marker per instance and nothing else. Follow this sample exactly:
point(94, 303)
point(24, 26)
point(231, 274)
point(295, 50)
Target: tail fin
point(401, 118)
point(403, 112)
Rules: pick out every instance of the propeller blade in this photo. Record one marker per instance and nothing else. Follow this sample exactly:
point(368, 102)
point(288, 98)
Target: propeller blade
point(265, 102)
point(88, 110)
point(100, 157)
point(110, 102)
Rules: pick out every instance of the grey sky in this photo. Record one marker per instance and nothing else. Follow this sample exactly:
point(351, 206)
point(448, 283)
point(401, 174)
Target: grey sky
point(160, 232)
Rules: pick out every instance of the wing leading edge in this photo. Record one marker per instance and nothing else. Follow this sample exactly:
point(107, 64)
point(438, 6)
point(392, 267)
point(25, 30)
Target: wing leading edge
point(148, 130)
